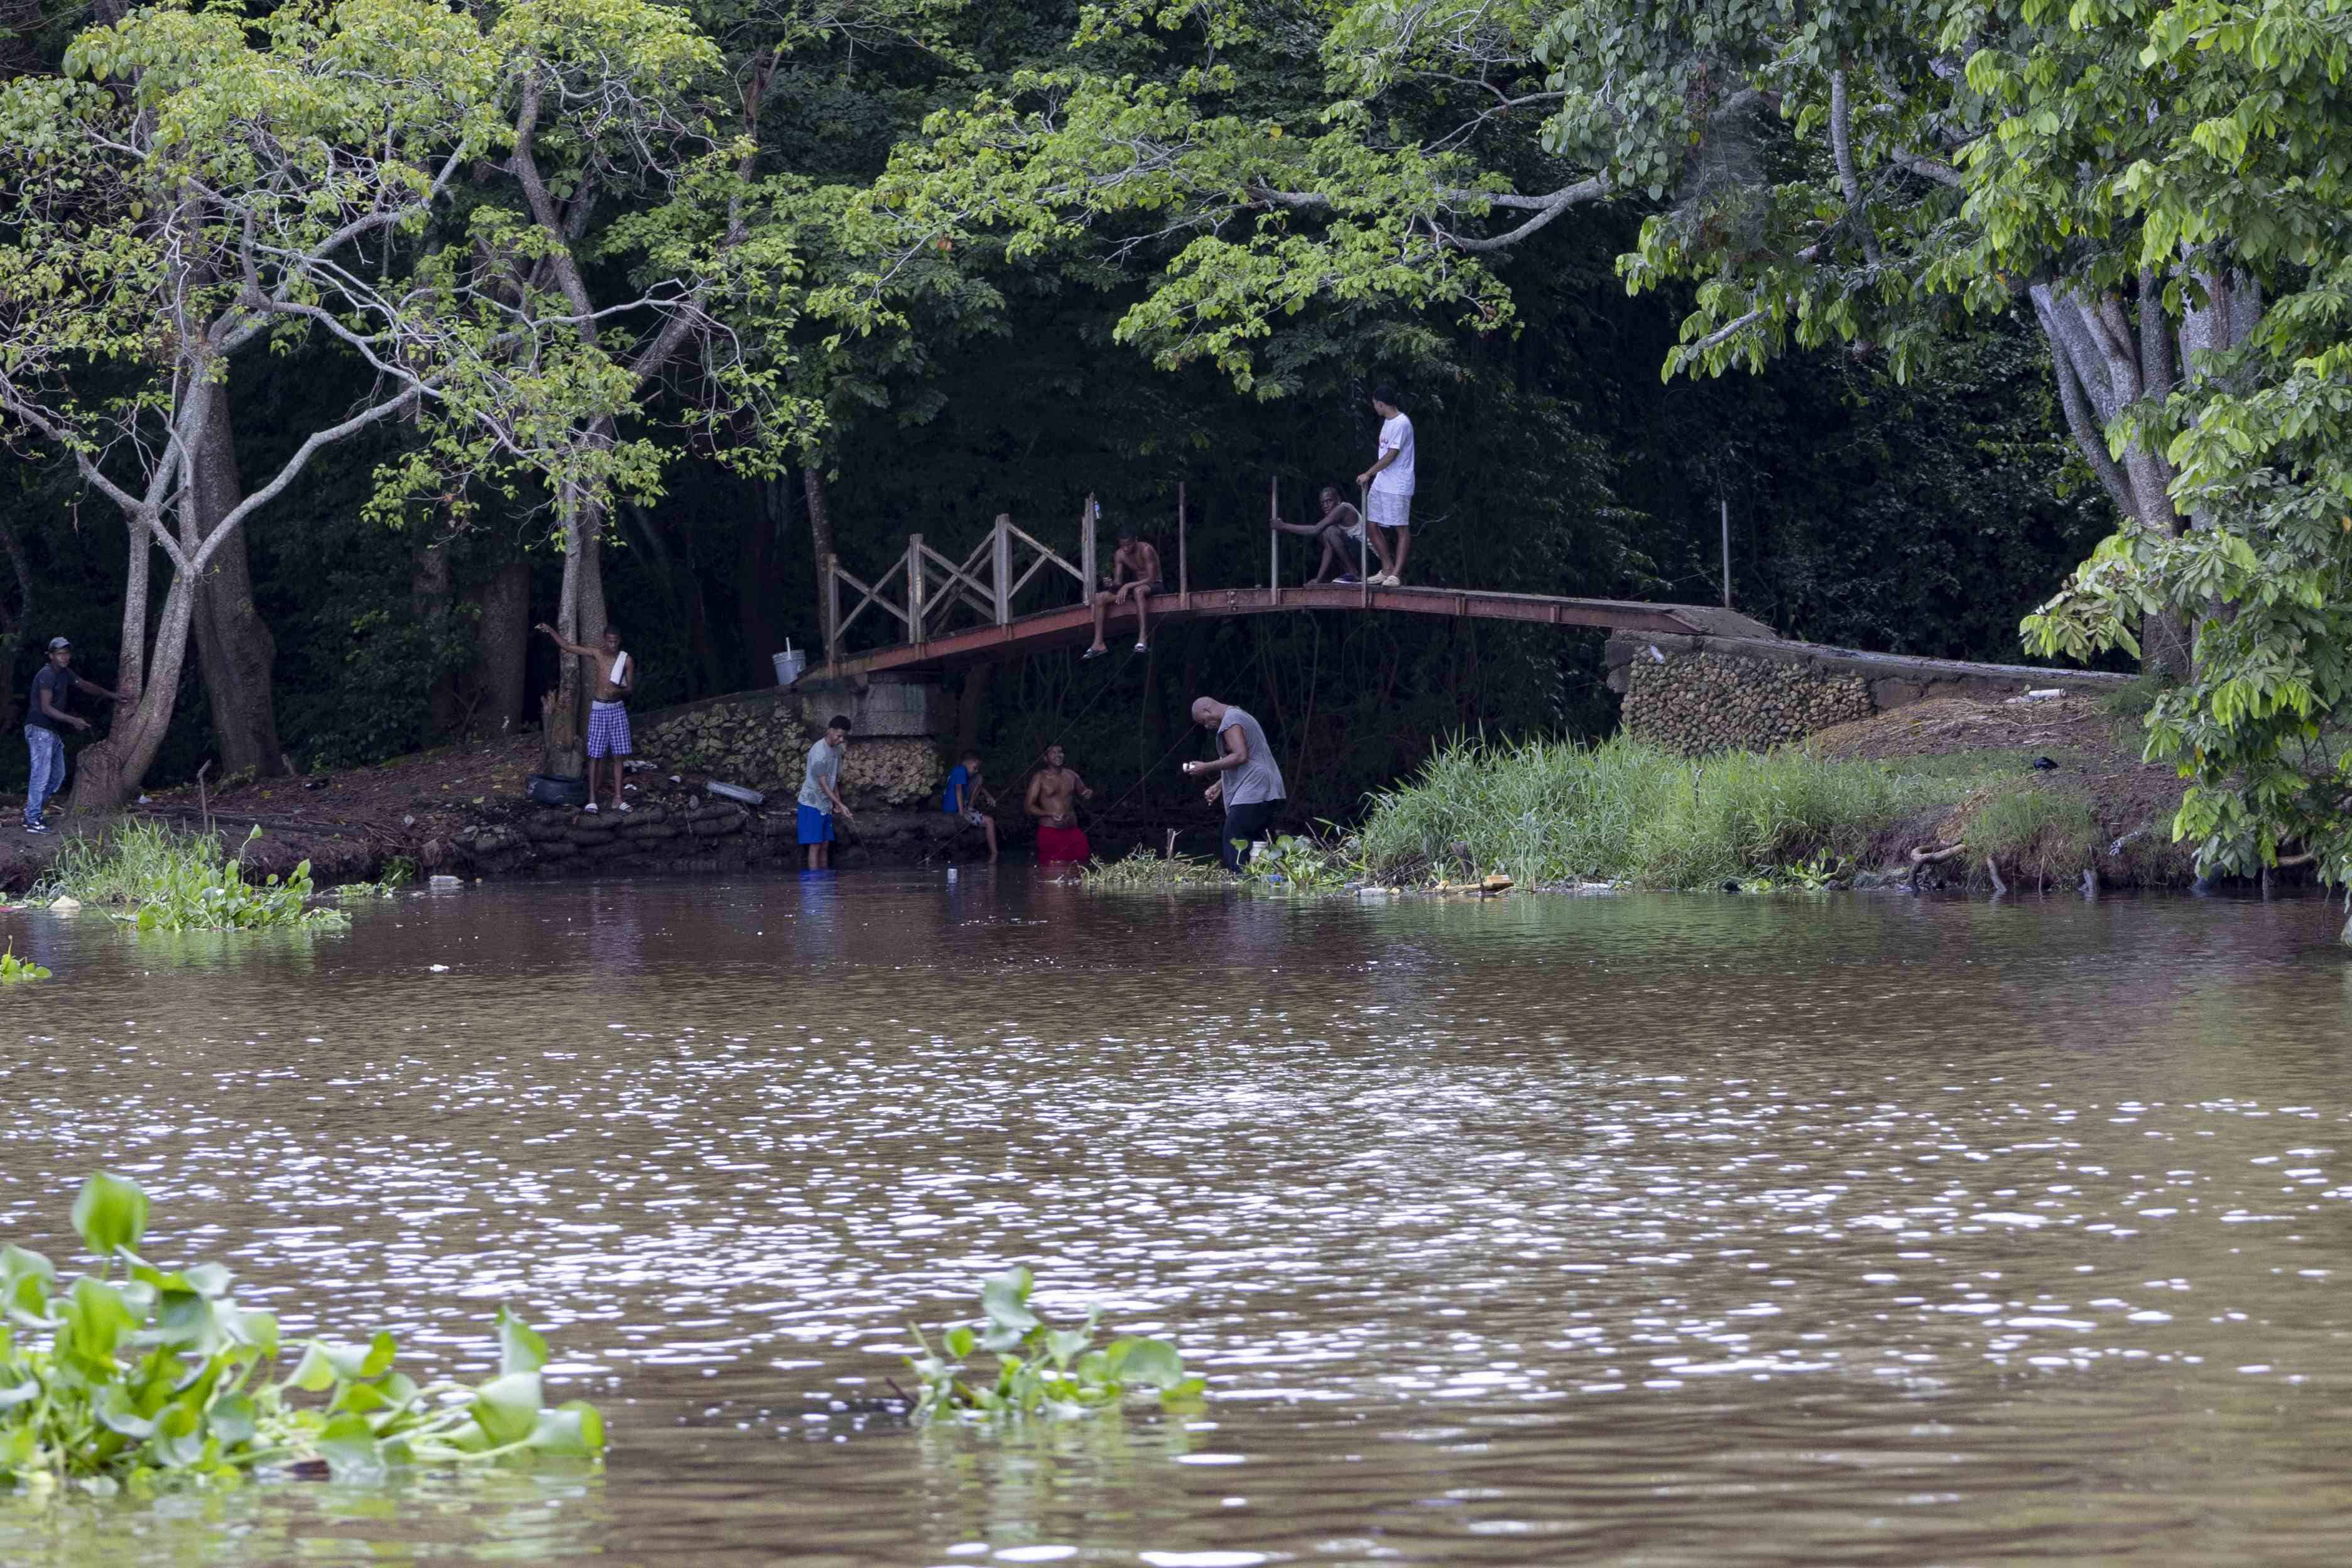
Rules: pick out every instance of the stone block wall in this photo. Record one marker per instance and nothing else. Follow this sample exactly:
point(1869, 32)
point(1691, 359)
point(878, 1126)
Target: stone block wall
point(1716, 702)
point(1698, 694)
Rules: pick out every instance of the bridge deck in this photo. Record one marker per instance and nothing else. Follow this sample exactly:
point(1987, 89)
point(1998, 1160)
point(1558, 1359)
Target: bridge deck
point(1074, 624)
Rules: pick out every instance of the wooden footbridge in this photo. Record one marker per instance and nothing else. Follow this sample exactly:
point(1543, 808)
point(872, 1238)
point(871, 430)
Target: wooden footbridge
point(955, 613)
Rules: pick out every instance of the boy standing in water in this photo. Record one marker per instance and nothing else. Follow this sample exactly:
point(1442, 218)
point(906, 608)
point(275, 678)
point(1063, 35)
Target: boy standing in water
point(820, 800)
point(1392, 480)
point(965, 791)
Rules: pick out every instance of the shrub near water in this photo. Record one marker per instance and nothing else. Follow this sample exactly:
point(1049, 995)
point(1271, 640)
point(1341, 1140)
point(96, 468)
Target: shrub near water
point(139, 1375)
point(1556, 811)
point(156, 879)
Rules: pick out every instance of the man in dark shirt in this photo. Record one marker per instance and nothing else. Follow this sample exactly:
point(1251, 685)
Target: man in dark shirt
point(50, 712)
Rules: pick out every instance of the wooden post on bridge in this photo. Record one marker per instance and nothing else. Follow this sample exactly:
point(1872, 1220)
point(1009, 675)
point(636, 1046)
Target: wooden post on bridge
point(1184, 566)
point(1364, 542)
point(915, 628)
point(1000, 567)
point(1087, 551)
point(832, 608)
point(1273, 541)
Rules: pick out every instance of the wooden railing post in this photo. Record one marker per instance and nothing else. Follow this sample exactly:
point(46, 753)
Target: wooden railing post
point(1000, 567)
point(832, 608)
point(1364, 543)
point(1183, 565)
point(1272, 540)
point(1086, 551)
point(916, 630)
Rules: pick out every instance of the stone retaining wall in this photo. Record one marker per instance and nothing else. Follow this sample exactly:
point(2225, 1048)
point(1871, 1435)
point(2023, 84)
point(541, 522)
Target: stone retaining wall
point(695, 837)
point(1699, 694)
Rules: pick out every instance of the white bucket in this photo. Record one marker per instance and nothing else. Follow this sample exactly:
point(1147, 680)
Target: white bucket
point(789, 665)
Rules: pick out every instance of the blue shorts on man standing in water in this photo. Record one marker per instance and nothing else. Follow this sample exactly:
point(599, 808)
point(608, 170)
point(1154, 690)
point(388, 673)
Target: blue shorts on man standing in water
point(816, 826)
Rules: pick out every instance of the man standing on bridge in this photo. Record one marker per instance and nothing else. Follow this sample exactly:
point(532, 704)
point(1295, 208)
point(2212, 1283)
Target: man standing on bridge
point(1249, 781)
point(1392, 480)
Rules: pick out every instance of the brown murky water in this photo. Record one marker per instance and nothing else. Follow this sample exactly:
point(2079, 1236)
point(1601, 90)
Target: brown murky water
point(1658, 1230)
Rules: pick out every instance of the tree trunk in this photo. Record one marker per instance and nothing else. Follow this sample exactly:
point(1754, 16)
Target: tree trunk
point(2105, 363)
point(234, 651)
point(821, 540)
point(579, 617)
point(502, 648)
point(430, 599)
point(755, 579)
point(15, 620)
point(970, 707)
point(107, 776)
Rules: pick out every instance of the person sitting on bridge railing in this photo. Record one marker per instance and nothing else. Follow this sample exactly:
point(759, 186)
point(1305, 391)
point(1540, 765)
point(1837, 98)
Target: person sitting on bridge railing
point(1341, 529)
point(1134, 575)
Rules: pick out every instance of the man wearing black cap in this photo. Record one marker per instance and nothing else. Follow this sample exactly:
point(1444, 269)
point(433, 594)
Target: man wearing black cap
point(46, 715)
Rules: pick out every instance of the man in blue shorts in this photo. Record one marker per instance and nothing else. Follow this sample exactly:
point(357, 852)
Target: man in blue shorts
point(821, 794)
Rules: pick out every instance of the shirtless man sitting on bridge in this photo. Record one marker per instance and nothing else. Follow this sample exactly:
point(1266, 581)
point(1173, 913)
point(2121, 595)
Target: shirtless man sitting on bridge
point(1134, 575)
point(1054, 792)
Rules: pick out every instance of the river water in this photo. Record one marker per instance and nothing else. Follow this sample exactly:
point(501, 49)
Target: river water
point(1669, 1230)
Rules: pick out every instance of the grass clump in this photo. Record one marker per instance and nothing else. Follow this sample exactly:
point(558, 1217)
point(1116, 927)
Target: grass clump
point(2036, 831)
point(1141, 871)
point(1559, 810)
point(139, 1375)
point(158, 878)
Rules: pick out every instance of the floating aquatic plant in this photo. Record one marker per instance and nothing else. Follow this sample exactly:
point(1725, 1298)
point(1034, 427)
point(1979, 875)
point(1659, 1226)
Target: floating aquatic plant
point(16, 971)
point(138, 1376)
point(1042, 1370)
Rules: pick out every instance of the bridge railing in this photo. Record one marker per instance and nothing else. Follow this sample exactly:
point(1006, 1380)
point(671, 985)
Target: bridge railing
point(924, 588)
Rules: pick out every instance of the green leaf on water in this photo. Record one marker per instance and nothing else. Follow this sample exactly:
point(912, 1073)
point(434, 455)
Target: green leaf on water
point(520, 1348)
point(960, 1341)
point(234, 1420)
point(1005, 1299)
point(1147, 1363)
point(508, 1407)
point(571, 1429)
point(111, 1212)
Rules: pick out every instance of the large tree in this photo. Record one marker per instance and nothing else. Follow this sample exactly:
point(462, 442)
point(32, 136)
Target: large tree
point(191, 185)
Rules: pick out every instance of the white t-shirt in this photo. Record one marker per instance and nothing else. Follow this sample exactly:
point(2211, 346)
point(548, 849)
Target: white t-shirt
point(1396, 435)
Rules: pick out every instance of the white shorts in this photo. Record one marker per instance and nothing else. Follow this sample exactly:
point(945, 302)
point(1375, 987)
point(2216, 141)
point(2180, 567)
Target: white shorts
point(1391, 510)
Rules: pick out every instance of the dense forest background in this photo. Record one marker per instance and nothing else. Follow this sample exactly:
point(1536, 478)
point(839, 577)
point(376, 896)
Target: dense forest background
point(1923, 518)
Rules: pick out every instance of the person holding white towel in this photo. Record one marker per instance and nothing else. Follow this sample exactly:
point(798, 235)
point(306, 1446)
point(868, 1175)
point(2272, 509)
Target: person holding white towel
point(1390, 477)
point(608, 714)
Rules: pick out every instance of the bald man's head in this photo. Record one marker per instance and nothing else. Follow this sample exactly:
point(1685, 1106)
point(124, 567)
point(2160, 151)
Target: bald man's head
point(1207, 711)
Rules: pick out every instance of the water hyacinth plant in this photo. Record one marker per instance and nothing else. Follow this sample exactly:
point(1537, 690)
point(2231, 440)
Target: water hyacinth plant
point(159, 879)
point(16, 971)
point(139, 1375)
point(1041, 1369)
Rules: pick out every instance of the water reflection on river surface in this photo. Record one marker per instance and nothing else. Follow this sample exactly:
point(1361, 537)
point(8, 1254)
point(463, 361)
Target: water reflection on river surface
point(1684, 1230)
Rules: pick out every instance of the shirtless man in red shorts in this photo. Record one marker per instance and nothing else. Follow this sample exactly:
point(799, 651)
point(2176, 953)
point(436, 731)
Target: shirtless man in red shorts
point(1054, 792)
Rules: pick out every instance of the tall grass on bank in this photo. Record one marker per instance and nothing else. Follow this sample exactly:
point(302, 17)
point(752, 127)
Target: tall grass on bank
point(159, 878)
point(1558, 811)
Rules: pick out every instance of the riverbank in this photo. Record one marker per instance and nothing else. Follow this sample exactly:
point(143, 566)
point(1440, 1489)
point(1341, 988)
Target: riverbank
point(1949, 792)
point(1953, 781)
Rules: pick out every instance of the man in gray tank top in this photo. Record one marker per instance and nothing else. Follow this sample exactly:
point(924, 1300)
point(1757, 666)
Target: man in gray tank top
point(1249, 781)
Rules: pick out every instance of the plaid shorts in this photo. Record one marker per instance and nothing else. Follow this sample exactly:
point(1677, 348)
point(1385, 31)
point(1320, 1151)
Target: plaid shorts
point(608, 729)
